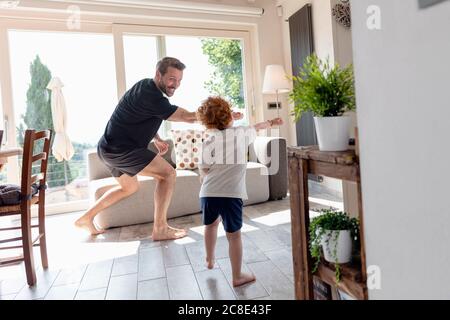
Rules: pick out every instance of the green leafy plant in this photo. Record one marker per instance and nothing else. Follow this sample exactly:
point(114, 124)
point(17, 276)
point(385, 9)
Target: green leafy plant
point(324, 90)
point(225, 58)
point(319, 228)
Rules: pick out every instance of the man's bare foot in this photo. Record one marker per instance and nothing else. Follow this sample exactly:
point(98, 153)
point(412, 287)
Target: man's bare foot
point(210, 263)
point(243, 279)
point(88, 224)
point(168, 233)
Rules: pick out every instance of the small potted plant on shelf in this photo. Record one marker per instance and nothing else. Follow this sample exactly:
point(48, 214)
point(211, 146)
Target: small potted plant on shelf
point(328, 92)
point(335, 234)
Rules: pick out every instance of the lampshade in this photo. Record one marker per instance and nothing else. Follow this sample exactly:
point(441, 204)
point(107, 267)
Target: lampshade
point(275, 79)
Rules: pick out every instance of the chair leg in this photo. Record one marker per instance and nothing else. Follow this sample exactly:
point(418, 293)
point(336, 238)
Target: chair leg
point(43, 240)
point(27, 242)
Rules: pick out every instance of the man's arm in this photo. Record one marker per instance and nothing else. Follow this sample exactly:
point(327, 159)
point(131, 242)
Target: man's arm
point(157, 138)
point(182, 115)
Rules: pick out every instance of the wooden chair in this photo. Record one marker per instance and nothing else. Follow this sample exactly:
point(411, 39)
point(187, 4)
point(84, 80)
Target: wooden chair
point(26, 200)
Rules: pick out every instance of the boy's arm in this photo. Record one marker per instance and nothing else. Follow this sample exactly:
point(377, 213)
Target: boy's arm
point(268, 124)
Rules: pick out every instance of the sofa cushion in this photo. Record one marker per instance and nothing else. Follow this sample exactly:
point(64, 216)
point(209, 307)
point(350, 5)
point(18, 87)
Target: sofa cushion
point(272, 152)
point(257, 182)
point(139, 207)
point(187, 145)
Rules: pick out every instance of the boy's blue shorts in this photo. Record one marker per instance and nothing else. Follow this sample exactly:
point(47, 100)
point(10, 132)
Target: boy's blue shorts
point(230, 209)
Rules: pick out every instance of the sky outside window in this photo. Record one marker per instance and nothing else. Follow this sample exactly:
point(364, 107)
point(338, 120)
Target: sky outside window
point(83, 62)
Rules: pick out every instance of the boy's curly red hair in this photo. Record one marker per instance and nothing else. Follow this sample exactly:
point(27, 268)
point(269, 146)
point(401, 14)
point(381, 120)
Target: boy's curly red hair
point(215, 113)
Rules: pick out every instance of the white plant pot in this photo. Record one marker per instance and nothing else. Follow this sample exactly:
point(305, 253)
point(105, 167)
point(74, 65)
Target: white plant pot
point(344, 246)
point(333, 132)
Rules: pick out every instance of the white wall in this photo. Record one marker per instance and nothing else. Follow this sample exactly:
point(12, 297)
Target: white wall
point(271, 52)
point(342, 41)
point(404, 110)
point(324, 33)
point(331, 40)
point(343, 55)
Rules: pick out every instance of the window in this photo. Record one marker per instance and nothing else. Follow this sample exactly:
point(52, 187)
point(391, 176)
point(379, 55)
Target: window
point(85, 65)
point(3, 172)
point(140, 57)
point(192, 91)
point(208, 72)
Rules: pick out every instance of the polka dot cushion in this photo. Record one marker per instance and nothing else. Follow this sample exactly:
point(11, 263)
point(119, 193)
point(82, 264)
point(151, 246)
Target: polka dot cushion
point(187, 144)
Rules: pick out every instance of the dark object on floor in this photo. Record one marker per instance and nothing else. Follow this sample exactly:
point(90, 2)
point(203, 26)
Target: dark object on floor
point(428, 3)
point(10, 194)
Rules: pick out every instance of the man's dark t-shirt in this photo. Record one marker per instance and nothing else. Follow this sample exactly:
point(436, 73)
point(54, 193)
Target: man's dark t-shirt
point(132, 126)
point(138, 116)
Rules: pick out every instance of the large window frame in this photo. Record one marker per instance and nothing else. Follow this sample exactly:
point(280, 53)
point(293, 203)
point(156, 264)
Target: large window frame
point(6, 25)
point(118, 31)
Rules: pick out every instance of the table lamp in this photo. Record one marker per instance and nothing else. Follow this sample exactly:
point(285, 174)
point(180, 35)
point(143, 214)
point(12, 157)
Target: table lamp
point(276, 82)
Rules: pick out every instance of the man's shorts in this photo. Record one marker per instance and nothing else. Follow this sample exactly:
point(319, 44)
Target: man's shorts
point(230, 209)
point(124, 160)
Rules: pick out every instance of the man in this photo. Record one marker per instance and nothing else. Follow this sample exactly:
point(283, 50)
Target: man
point(123, 146)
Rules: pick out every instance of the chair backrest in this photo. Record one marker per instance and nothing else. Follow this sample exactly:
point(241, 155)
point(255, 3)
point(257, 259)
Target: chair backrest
point(28, 178)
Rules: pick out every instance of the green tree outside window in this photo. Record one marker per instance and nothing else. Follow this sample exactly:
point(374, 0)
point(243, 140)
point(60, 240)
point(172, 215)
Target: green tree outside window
point(225, 55)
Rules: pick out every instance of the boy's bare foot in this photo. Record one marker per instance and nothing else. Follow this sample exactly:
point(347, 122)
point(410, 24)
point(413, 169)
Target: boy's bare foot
point(88, 224)
point(243, 279)
point(210, 263)
point(168, 233)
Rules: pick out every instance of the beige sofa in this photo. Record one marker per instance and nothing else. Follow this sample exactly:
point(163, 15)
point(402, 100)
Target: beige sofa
point(266, 180)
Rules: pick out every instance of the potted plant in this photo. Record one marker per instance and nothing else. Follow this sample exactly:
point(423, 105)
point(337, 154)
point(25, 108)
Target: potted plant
point(335, 234)
point(328, 92)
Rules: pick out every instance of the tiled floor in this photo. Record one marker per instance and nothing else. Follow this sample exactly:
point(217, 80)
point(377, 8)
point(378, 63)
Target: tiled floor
point(125, 264)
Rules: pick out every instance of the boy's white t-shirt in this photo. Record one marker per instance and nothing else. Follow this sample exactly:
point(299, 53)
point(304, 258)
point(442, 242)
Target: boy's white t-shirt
point(224, 153)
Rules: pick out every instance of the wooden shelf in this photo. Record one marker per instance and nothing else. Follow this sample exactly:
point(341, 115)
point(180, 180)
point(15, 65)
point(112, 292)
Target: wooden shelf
point(340, 165)
point(351, 278)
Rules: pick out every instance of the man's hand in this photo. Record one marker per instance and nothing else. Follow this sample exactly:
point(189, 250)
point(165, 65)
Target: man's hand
point(203, 172)
point(162, 146)
point(237, 115)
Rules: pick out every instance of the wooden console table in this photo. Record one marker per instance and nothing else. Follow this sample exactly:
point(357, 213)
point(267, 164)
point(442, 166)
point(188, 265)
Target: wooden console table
point(339, 165)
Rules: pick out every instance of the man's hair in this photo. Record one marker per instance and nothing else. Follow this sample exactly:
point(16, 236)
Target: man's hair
point(215, 113)
point(167, 62)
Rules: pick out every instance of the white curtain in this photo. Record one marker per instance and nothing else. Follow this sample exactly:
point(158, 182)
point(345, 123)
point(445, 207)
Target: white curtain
point(62, 147)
